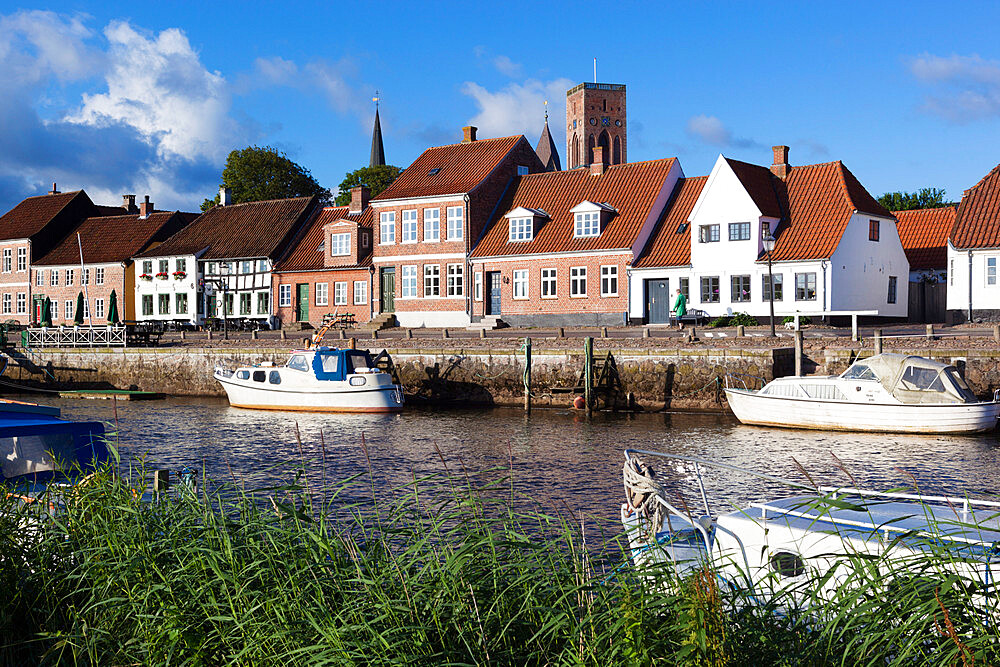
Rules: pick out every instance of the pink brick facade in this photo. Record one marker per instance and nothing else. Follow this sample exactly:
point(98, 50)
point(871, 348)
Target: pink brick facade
point(327, 291)
point(15, 286)
point(63, 284)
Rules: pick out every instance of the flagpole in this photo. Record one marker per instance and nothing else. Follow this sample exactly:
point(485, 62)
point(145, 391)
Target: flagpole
point(86, 291)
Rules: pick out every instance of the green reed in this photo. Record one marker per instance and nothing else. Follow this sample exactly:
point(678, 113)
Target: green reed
point(437, 572)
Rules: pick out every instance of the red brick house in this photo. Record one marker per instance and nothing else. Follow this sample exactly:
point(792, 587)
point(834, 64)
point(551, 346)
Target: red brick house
point(559, 247)
point(329, 270)
point(426, 223)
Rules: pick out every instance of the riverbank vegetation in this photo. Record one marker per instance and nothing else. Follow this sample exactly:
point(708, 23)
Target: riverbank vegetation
point(440, 573)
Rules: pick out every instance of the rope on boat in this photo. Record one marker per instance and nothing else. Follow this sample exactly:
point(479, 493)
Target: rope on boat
point(642, 490)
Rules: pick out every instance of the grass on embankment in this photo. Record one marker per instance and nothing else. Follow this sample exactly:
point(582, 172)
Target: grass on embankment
point(442, 577)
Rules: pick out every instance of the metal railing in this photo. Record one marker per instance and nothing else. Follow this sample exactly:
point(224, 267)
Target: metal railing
point(106, 336)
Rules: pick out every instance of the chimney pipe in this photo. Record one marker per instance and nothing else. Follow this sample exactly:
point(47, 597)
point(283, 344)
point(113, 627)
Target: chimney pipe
point(597, 166)
point(128, 203)
point(225, 196)
point(469, 134)
point(359, 198)
point(54, 191)
point(781, 168)
point(145, 208)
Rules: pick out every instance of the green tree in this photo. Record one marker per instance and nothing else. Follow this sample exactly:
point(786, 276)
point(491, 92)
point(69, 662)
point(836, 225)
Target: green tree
point(256, 174)
point(376, 178)
point(906, 201)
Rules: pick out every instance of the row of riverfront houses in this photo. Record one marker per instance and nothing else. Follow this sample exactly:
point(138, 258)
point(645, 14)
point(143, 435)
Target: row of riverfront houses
point(480, 228)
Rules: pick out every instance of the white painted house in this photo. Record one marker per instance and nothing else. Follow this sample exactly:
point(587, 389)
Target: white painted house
point(974, 254)
point(836, 248)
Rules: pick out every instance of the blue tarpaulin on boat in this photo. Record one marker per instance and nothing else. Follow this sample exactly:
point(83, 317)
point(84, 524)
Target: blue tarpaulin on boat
point(43, 447)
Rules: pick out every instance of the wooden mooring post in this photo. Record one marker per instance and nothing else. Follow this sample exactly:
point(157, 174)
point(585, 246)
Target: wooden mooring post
point(878, 341)
point(527, 375)
point(588, 373)
point(798, 354)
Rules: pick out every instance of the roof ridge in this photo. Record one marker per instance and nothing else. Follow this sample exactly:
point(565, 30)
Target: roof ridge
point(470, 143)
point(980, 181)
point(263, 201)
point(49, 194)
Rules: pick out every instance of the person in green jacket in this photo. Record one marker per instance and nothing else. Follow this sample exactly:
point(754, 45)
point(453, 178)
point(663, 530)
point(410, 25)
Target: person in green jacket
point(680, 308)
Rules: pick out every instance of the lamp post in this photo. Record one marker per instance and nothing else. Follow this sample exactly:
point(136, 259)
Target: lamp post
point(224, 271)
point(768, 247)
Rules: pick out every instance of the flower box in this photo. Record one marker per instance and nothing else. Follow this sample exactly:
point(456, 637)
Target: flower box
point(145, 276)
point(162, 275)
point(179, 275)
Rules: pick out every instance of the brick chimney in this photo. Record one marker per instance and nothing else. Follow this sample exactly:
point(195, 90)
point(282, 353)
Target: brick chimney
point(53, 191)
point(469, 134)
point(145, 208)
point(359, 198)
point(781, 168)
point(225, 196)
point(598, 166)
point(128, 203)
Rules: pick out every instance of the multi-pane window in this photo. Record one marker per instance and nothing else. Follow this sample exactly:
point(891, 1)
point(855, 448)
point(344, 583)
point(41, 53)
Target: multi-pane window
point(892, 290)
point(69, 277)
point(410, 226)
point(409, 282)
point(55, 308)
point(86, 310)
point(991, 270)
point(520, 229)
point(710, 289)
point(340, 244)
point(739, 231)
point(685, 287)
point(432, 280)
point(54, 277)
point(147, 305)
point(264, 302)
point(805, 286)
point(246, 301)
point(873, 231)
point(609, 281)
point(456, 280)
point(147, 267)
point(180, 264)
point(284, 295)
point(708, 234)
point(456, 223)
point(740, 288)
point(432, 224)
point(227, 304)
point(360, 292)
point(181, 303)
point(322, 294)
point(578, 281)
point(778, 287)
point(951, 272)
point(22, 304)
point(587, 224)
point(387, 227)
point(68, 312)
point(211, 268)
point(6, 303)
point(85, 277)
point(39, 278)
point(548, 283)
point(340, 294)
point(22, 259)
point(98, 308)
point(8, 260)
point(478, 295)
point(262, 265)
point(99, 276)
point(521, 284)
point(164, 303)
point(164, 265)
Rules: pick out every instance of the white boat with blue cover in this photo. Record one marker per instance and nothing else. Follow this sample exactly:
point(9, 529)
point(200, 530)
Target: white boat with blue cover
point(321, 379)
point(885, 393)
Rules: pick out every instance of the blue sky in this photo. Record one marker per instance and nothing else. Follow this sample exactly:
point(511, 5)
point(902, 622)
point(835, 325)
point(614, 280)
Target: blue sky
point(149, 98)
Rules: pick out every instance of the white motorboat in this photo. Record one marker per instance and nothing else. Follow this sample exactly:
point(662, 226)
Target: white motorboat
point(816, 538)
point(886, 393)
point(322, 379)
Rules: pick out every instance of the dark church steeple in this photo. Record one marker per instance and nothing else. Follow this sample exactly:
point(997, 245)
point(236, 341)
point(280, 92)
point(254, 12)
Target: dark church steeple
point(378, 152)
point(546, 148)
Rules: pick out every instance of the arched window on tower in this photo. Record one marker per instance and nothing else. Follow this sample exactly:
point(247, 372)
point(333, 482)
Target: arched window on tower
point(575, 157)
point(590, 149)
point(605, 143)
point(618, 151)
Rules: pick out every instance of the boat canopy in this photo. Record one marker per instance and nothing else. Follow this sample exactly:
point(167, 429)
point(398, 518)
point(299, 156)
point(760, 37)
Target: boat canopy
point(913, 379)
point(329, 363)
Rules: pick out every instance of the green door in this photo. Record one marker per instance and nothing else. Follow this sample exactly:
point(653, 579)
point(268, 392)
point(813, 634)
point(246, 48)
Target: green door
point(387, 290)
point(302, 307)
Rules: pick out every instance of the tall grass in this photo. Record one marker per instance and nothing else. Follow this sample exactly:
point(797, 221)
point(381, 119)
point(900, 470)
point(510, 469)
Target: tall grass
point(438, 573)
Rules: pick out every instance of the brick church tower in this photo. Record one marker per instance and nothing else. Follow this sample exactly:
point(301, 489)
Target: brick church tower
point(595, 116)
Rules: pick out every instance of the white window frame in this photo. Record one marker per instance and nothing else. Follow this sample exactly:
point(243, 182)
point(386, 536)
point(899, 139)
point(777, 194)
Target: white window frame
point(55, 310)
point(991, 270)
point(39, 278)
point(8, 304)
point(520, 230)
point(432, 281)
point(577, 277)
point(408, 282)
point(22, 259)
point(609, 272)
point(85, 277)
point(99, 308)
point(99, 277)
point(519, 285)
point(456, 223)
point(478, 291)
point(22, 304)
point(70, 277)
point(456, 280)
point(549, 281)
point(360, 292)
point(409, 226)
point(284, 296)
point(587, 224)
point(432, 225)
point(68, 314)
point(340, 245)
point(387, 223)
point(8, 260)
point(340, 293)
point(322, 294)
point(709, 233)
point(54, 278)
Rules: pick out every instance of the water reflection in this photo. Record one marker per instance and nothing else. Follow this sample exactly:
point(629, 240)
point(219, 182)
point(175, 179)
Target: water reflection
point(558, 457)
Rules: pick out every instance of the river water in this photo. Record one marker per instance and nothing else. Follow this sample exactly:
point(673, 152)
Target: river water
point(559, 458)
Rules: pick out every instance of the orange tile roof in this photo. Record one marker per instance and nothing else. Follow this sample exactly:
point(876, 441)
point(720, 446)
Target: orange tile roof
point(977, 222)
point(630, 188)
point(669, 245)
point(759, 184)
point(115, 238)
point(33, 213)
point(461, 167)
point(924, 234)
point(306, 255)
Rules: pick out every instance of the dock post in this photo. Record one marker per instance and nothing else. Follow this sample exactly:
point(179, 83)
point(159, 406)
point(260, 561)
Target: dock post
point(854, 327)
point(253, 334)
point(930, 332)
point(183, 335)
point(798, 354)
point(562, 334)
point(409, 332)
point(353, 344)
point(740, 331)
point(996, 332)
point(878, 341)
point(645, 332)
point(588, 369)
point(604, 332)
point(444, 333)
point(527, 375)
point(341, 335)
point(482, 332)
point(374, 334)
point(210, 334)
point(283, 335)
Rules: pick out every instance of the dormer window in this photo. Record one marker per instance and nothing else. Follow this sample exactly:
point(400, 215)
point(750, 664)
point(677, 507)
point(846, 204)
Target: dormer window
point(590, 218)
point(521, 229)
point(340, 244)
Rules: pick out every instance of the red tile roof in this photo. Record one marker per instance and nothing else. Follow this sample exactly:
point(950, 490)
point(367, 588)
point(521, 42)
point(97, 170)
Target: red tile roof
point(32, 214)
point(253, 229)
point(461, 167)
point(306, 255)
point(924, 234)
point(671, 244)
point(819, 200)
point(977, 222)
point(630, 188)
point(759, 184)
point(117, 238)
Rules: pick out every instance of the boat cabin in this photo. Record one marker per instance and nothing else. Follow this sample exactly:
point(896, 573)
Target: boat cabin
point(323, 363)
point(912, 379)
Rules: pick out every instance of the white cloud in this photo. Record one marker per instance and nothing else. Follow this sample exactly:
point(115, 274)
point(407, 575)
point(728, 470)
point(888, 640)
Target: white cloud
point(507, 66)
point(37, 45)
point(519, 108)
point(713, 131)
point(968, 86)
point(329, 79)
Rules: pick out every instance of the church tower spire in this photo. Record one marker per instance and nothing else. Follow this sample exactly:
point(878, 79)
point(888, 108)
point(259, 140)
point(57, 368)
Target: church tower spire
point(378, 152)
point(546, 148)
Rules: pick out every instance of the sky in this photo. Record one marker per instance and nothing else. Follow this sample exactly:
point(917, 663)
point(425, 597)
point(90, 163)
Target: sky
point(150, 98)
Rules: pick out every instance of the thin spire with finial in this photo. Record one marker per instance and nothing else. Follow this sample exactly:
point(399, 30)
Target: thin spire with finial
point(378, 151)
point(546, 148)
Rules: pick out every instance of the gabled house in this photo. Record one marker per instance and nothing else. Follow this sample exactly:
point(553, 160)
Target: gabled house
point(924, 234)
point(836, 248)
point(560, 244)
point(427, 222)
point(219, 266)
point(329, 269)
point(974, 253)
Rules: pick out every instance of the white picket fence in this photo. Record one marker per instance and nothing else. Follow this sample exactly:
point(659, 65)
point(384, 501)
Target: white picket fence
point(106, 336)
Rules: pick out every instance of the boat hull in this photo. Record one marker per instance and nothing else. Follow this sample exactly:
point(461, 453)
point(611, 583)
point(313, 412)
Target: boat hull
point(386, 399)
point(789, 412)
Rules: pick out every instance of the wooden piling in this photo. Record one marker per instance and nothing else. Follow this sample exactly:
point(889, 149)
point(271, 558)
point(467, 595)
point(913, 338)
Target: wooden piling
point(210, 334)
point(562, 333)
point(353, 344)
point(930, 332)
point(444, 333)
point(283, 335)
point(798, 354)
point(340, 334)
point(996, 332)
point(374, 334)
point(527, 375)
point(878, 341)
point(482, 332)
point(604, 332)
point(253, 334)
point(183, 334)
point(645, 332)
point(588, 371)
point(740, 331)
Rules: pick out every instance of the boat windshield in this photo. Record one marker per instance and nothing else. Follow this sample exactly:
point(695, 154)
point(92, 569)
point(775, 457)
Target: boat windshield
point(330, 362)
point(299, 363)
point(358, 359)
point(859, 371)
